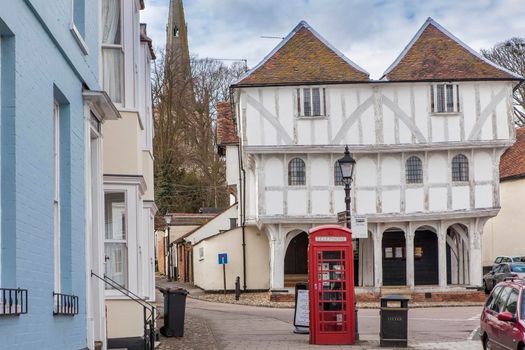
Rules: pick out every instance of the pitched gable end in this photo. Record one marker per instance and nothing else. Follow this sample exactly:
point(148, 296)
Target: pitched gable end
point(434, 54)
point(303, 57)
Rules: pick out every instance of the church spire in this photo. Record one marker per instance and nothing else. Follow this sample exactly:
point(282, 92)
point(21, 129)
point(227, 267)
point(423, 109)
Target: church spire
point(177, 34)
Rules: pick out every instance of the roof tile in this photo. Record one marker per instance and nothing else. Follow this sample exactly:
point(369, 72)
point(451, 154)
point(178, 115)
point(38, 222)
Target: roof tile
point(303, 57)
point(226, 132)
point(512, 163)
point(435, 54)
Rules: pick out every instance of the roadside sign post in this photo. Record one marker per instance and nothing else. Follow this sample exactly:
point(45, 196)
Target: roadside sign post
point(223, 260)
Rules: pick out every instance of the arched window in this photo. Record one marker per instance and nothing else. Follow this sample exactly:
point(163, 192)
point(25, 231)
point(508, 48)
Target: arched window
point(296, 172)
point(338, 175)
point(460, 168)
point(414, 170)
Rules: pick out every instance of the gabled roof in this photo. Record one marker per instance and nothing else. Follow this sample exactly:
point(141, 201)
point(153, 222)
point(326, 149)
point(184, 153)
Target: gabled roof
point(512, 163)
point(436, 54)
point(226, 132)
point(303, 57)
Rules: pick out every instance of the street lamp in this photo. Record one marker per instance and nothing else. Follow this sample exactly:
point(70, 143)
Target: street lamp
point(167, 219)
point(347, 165)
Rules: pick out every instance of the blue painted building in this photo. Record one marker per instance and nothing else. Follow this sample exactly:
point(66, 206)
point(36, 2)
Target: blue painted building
point(50, 101)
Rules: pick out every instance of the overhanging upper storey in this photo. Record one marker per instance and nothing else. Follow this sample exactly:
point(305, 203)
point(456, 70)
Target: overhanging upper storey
point(303, 57)
point(434, 54)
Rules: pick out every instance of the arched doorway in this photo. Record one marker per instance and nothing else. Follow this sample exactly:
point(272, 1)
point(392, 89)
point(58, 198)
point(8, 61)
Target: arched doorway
point(296, 260)
point(394, 258)
point(457, 254)
point(426, 258)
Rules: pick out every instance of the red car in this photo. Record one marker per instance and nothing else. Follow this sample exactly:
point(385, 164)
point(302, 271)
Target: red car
point(503, 317)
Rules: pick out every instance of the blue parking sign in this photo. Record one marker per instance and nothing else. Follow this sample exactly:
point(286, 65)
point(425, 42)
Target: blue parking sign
point(223, 258)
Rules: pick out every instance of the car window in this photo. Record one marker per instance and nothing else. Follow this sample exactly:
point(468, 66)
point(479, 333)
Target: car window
point(512, 302)
point(493, 296)
point(497, 269)
point(517, 268)
point(507, 260)
point(498, 260)
point(505, 269)
point(499, 304)
point(516, 259)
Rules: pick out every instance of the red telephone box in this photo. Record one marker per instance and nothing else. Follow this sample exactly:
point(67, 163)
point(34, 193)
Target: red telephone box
point(331, 285)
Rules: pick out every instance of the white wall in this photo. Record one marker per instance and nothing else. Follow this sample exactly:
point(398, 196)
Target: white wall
point(212, 227)
point(208, 273)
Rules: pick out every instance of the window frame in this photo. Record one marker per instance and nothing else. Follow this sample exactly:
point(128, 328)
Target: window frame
point(296, 178)
point(106, 46)
point(420, 179)
point(56, 198)
point(124, 241)
point(456, 104)
point(301, 100)
point(464, 161)
point(338, 173)
point(77, 34)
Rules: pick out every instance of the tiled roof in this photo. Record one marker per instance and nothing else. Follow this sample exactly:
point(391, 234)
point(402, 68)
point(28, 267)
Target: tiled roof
point(512, 163)
point(436, 54)
point(226, 133)
point(191, 218)
point(303, 57)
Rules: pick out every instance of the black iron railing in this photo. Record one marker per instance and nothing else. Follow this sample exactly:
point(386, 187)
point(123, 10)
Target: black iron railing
point(13, 301)
point(149, 311)
point(65, 304)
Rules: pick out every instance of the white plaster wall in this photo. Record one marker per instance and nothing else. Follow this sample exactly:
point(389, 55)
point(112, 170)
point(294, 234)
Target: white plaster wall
point(232, 165)
point(438, 168)
point(415, 197)
point(503, 234)
point(366, 172)
point(482, 166)
point(320, 170)
point(366, 201)
point(320, 202)
point(212, 227)
point(483, 196)
point(208, 273)
point(274, 202)
point(391, 200)
point(390, 170)
point(297, 201)
point(273, 170)
point(460, 197)
point(437, 199)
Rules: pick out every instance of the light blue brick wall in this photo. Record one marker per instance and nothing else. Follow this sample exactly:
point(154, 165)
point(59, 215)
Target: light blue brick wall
point(47, 60)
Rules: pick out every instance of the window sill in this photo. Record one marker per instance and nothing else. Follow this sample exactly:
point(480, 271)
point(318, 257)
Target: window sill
point(78, 38)
point(460, 183)
point(445, 114)
point(314, 117)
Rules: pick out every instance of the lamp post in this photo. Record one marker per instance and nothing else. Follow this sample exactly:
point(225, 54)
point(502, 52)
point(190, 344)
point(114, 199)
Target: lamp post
point(347, 165)
point(167, 219)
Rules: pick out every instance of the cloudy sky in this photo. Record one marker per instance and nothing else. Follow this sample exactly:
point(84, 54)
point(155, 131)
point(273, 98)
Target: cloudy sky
point(372, 33)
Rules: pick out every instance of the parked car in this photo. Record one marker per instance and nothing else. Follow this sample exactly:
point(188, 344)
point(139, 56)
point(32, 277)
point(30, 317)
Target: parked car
point(502, 271)
point(502, 319)
point(508, 259)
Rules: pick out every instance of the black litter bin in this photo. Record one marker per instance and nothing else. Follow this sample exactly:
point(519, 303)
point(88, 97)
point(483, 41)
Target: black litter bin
point(394, 321)
point(174, 309)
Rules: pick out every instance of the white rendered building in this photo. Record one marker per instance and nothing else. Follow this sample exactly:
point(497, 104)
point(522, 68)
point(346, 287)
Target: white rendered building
point(427, 138)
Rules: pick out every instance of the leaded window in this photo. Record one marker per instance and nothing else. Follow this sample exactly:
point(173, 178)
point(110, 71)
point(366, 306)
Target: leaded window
point(311, 102)
point(338, 174)
point(444, 98)
point(296, 172)
point(460, 168)
point(414, 170)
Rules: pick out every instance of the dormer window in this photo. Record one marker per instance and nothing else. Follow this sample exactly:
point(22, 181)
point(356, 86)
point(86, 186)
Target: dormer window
point(444, 98)
point(311, 102)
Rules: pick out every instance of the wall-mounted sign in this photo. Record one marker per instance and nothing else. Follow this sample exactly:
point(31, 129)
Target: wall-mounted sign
point(330, 239)
point(418, 252)
point(223, 258)
point(359, 226)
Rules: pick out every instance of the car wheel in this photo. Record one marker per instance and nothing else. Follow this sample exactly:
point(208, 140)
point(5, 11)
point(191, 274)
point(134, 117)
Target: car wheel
point(486, 343)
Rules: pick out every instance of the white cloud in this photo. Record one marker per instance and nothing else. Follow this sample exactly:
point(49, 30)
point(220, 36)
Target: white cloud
point(370, 32)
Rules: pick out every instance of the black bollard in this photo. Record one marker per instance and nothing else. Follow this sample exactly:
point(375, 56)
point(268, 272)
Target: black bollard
point(237, 288)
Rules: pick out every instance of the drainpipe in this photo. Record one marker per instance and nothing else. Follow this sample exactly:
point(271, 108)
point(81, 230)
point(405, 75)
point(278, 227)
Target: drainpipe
point(241, 194)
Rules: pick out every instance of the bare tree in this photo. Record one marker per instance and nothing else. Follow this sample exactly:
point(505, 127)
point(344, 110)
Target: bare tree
point(188, 172)
point(510, 54)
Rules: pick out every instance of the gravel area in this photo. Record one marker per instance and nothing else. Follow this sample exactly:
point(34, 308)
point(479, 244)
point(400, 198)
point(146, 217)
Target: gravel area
point(254, 299)
point(262, 299)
